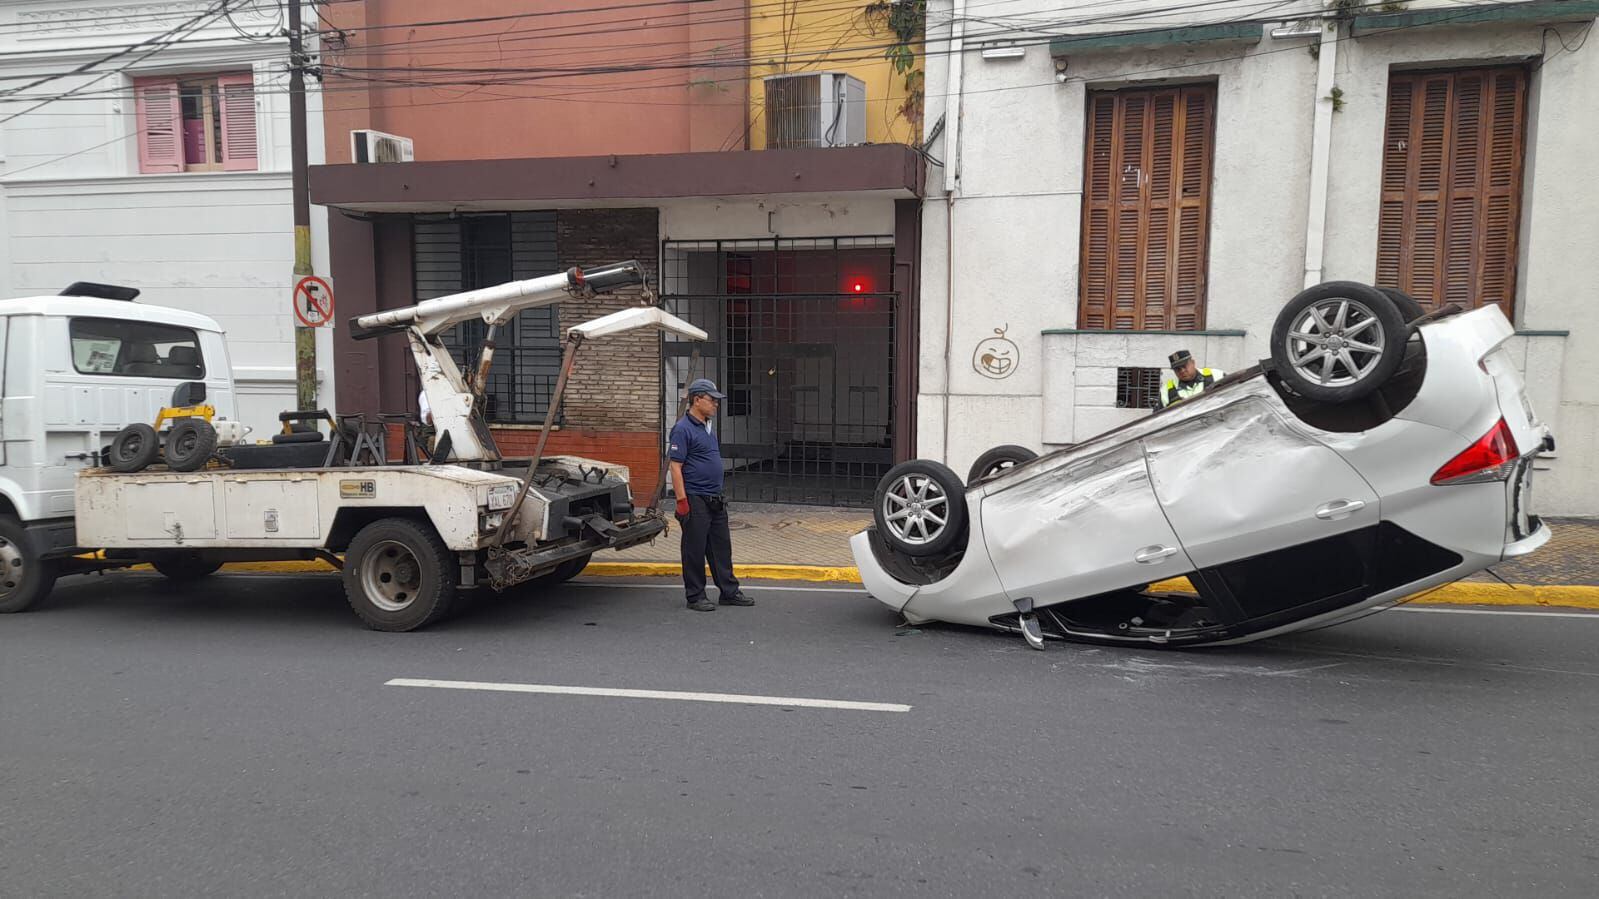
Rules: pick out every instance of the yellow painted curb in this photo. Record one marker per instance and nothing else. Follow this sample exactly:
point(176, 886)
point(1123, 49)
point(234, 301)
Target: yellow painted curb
point(816, 573)
point(1457, 594)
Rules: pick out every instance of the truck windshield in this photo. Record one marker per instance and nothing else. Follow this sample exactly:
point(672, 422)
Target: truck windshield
point(108, 346)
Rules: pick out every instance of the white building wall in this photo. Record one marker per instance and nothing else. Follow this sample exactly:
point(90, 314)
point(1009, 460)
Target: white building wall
point(1013, 224)
point(74, 206)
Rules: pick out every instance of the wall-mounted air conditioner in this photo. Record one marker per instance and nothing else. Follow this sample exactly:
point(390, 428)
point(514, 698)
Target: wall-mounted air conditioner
point(815, 109)
point(375, 146)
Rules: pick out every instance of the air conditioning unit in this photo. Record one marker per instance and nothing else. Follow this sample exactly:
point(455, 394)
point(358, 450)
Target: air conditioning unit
point(815, 109)
point(375, 146)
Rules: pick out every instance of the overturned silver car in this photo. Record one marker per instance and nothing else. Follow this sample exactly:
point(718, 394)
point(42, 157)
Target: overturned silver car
point(1379, 453)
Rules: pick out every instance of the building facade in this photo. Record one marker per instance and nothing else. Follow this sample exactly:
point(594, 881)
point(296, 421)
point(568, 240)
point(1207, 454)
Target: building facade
point(164, 166)
point(1118, 188)
point(534, 152)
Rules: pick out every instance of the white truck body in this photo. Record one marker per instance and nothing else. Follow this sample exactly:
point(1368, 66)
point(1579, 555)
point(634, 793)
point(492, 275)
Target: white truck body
point(70, 382)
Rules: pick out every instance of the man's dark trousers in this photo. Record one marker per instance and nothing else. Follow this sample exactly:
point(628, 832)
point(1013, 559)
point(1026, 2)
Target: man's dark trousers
point(706, 539)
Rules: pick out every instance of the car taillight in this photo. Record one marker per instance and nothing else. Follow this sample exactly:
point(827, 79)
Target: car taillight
point(1489, 459)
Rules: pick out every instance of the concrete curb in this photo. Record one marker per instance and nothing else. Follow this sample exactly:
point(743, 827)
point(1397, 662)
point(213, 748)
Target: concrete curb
point(1567, 596)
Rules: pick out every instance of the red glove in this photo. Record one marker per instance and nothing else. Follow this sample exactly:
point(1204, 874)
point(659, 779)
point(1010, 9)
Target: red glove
point(682, 507)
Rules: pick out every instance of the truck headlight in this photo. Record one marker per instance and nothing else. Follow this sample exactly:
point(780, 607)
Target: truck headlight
point(502, 497)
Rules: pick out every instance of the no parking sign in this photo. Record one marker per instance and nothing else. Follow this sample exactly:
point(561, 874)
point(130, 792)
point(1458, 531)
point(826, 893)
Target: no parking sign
point(313, 302)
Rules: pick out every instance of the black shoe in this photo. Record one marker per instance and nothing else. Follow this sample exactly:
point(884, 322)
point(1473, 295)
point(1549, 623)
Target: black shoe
point(736, 600)
point(703, 605)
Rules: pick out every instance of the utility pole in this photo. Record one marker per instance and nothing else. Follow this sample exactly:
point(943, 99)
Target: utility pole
point(304, 337)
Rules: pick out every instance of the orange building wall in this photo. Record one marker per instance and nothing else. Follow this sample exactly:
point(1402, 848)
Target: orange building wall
point(413, 81)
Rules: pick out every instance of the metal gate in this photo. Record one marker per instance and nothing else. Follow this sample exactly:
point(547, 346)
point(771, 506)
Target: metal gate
point(809, 380)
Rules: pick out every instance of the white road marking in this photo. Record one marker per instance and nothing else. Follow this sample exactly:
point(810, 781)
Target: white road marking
point(1590, 615)
point(736, 698)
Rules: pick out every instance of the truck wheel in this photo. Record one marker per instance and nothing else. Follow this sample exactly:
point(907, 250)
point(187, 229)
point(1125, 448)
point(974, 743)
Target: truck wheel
point(998, 459)
point(398, 575)
point(134, 448)
point(190, 444)
point(1338, 341)
point(185, 566)
point(920, 508)
point(24, 577)
point(562, 573)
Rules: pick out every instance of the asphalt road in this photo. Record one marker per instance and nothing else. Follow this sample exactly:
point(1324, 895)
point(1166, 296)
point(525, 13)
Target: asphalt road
point(239, 738)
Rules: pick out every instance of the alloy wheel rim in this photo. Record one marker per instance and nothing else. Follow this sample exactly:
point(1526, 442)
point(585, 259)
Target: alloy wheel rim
point(916, 509)
point(1336, 342)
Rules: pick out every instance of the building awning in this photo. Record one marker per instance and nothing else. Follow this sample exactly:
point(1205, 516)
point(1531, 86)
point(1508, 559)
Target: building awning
point(891, 170)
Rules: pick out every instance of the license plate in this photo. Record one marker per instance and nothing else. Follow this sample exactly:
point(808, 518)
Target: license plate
point(501, 498)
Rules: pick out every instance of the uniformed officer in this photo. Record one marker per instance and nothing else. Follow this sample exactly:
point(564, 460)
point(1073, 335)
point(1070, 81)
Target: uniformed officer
point(1188, 379)
point(701, 510)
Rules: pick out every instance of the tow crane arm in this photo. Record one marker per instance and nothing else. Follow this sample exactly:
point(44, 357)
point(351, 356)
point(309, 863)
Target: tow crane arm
point(453, 398)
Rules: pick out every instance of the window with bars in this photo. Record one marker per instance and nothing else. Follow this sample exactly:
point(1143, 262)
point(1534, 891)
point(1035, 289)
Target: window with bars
point(196, 123)
point(1451, 186)
point(1146, 208)
point(452, 254)
point(1138, 388)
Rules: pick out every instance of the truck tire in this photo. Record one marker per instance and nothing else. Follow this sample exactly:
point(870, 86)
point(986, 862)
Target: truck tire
point(190, 444)
point(25, 578)
point(398, 575)
point(133, 448)
point(185, 566)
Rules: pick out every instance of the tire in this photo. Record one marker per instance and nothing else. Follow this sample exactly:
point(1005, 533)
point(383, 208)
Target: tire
point(185, 566)
point(1338, 342)
point(398, 575)
point(25, 579)
point(298, 437)
point(1409, 308)
point(999, 459)
point(563, 572)
point(190, 444)
point(133, 448)
point(907, 495)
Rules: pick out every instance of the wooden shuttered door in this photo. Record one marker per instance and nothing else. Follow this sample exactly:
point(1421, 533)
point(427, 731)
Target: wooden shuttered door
point(1146, 208)
point(1451, 186)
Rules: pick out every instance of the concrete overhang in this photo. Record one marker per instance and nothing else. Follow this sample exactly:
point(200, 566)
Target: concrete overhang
point(887, 170)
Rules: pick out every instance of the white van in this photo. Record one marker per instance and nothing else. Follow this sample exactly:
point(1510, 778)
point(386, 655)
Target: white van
point(77, 368)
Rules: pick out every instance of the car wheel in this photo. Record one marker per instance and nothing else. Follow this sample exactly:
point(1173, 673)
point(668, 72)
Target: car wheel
point(1409, 307)
point(920, 508)
point(24, 577)
point(998, 459)
point(190, 444)
point(133, 448)
point(1337, 342)
point(188, 566)
point(398, 575)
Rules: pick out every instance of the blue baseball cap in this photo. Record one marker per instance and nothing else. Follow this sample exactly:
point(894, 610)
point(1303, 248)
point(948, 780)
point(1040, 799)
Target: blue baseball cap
point(705, 386)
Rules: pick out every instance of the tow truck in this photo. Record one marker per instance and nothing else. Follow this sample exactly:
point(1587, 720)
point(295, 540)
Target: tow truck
point(407, 536)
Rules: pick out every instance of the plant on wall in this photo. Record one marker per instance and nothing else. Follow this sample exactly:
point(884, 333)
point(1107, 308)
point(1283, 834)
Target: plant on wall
point(907, 20)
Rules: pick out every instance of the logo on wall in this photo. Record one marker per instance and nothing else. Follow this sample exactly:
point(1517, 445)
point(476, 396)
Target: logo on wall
point(996, 357)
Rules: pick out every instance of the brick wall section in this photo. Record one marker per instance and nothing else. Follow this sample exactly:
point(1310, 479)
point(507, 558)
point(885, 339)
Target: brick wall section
point(616, 384)
point(639, 451)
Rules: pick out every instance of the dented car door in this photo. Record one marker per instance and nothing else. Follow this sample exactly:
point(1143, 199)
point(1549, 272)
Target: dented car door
point(1089, 526)
point(1243, 481)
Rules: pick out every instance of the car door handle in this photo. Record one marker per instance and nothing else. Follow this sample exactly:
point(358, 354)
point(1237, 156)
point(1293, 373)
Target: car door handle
point(1149, 555)
point(1339, 509)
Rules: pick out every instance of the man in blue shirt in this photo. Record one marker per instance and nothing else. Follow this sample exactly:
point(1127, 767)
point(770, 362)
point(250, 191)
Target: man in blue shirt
point(701, 511)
